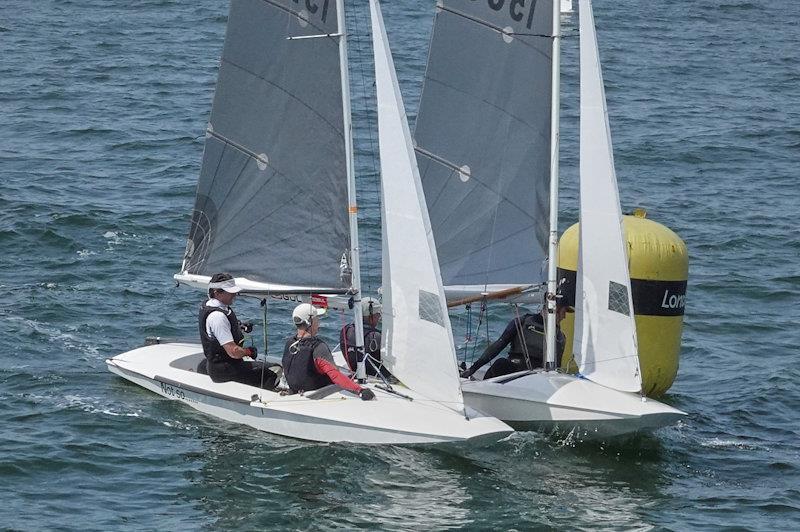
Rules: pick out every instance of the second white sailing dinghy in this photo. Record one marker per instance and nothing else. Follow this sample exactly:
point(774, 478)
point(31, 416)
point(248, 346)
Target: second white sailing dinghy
point(487, 146)
point(276, 207)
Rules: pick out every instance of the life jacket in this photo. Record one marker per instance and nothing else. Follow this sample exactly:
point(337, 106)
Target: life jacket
point(220, 366)
point(347, 342)
point(533, 340)
point(298, 365)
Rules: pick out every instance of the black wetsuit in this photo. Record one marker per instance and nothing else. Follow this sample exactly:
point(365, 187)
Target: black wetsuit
point(525, 334)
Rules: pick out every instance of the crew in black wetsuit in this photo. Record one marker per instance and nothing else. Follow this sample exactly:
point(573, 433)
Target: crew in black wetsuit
point(526, 334)
point(307, 361)
point(371, 311)
point(222, 339)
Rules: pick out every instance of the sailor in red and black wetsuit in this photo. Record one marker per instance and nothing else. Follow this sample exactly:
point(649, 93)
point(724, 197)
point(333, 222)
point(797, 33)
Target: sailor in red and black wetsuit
point(371, 311)
point(307, 361)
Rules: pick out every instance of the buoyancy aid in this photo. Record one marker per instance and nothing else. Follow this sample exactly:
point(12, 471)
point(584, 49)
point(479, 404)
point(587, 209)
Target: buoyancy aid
point(533, 341)
point(298, 365)
point(347, 342)
point(220, 366)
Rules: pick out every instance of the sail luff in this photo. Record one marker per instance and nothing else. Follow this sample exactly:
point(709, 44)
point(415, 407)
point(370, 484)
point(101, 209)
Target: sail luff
point(605, 343)
point(418, 341)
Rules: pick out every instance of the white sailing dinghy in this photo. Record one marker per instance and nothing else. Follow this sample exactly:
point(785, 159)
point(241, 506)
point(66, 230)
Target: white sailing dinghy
point(487, 147)
point(276, 207)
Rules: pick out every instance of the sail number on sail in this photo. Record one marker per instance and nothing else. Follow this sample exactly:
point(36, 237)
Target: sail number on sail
point(516, 9)
point(313, 6)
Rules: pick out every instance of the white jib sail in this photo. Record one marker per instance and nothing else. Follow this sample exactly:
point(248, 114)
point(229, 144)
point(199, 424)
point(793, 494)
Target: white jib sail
point(605, 341)
point(418, 342)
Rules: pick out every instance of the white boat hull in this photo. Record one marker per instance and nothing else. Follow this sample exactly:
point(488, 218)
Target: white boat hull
point(327, 415)
point(550, 400)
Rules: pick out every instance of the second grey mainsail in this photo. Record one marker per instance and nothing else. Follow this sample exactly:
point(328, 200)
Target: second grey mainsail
point(271, 200)
point(483, 139)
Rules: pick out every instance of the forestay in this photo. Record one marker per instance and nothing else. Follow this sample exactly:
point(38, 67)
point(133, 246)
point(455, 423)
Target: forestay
point(605, 343)
point(483, 140)
point(271, 202)
point(419, 347)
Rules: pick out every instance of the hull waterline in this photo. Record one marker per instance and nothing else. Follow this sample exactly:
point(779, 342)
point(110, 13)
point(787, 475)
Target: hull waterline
point(327, 415)
point(549, 400)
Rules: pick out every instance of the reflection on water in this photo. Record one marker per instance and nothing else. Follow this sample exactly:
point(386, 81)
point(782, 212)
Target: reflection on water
point(101, 147)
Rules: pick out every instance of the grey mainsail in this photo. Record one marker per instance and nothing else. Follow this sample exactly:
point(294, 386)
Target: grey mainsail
point(483, 139)
point(272, 200)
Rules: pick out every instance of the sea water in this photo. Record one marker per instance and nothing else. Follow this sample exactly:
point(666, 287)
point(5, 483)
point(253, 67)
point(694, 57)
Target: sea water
point(103, 107)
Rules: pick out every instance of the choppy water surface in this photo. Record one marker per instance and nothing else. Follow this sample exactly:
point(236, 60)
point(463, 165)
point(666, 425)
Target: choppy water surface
point(103, 104)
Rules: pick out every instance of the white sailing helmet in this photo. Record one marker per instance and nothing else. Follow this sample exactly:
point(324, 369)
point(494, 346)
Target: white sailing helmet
point(304, 312)
point(369, 306)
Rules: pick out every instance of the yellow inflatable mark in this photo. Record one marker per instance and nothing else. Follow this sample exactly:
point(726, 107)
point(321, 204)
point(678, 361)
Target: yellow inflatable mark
point(659, 266)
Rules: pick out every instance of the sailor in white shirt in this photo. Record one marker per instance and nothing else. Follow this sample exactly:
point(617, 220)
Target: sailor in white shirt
point(222, 338)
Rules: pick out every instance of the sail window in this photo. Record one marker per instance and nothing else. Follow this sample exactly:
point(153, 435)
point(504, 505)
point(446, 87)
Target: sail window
point(464, 173)
point(618, 298)
point(430, 308)
point(262, 161)
point(508, 34)
point(302, 18)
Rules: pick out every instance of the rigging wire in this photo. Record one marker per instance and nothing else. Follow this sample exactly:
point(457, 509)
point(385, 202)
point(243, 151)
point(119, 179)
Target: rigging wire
point(266, 344)
point(485, 308)
point(468, 337)
point(355, 23)
point(478, 327)
point(521, 337)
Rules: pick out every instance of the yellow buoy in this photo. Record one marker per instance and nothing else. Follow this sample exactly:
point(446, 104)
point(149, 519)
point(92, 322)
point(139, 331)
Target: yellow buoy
point(659, 266)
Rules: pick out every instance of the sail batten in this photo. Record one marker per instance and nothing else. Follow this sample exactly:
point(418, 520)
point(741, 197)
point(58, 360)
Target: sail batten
point(483, 140)
point(605, 343)
point(271, 203)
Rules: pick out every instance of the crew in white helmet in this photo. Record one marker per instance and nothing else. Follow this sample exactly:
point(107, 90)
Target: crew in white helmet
point(307, 360)
point(371, 312)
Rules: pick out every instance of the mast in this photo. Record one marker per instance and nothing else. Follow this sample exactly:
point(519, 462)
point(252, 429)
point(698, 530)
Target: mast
point(352, 206)
point(550, 301)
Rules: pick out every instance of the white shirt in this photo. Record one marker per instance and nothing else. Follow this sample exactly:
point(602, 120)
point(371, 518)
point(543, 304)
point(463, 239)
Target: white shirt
point(217, 325)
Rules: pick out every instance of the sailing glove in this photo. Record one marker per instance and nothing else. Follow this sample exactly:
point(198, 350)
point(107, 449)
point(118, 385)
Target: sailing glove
point(466, 374)
point(251, 351)
point(366, 394)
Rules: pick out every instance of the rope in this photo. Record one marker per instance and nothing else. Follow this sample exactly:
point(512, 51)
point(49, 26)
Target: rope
point(355, 24)
point(266, 346)
point(343, 345)
point(485, 309)
point(478, 328)
point(521, 336)
point(468, 337)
